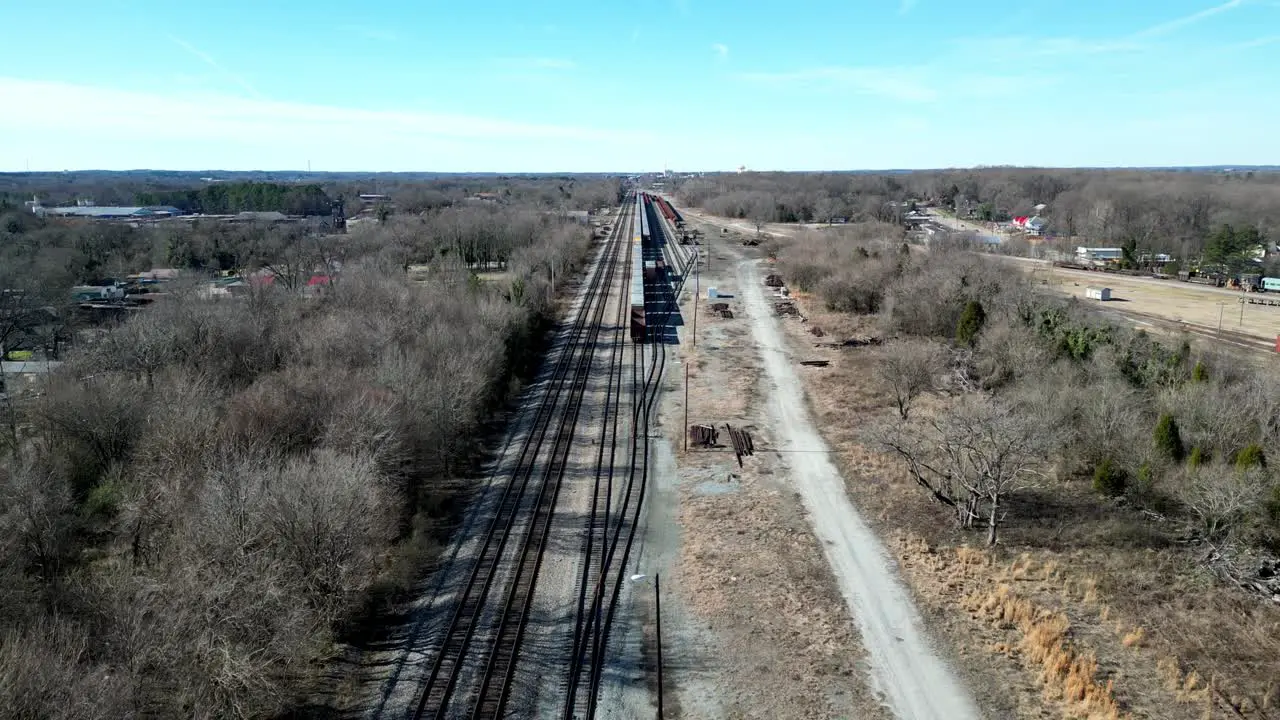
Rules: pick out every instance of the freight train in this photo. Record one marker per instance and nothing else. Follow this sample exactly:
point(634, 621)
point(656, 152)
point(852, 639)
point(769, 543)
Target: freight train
point(639, 237)
point(642, 270)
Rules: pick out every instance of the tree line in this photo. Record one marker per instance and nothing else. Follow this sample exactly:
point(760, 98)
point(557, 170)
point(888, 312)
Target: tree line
point(224, 198)
point(205, 496)
point(1039, 391)
point(306, 193)
point(1155, 211)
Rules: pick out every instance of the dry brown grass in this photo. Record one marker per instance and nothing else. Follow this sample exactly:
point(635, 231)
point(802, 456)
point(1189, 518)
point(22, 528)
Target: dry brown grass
point(1134, 637)
point(1068, 672)
point(1093, 562)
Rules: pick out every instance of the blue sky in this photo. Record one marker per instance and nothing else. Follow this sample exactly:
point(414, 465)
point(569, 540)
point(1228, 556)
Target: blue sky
point(589, 86)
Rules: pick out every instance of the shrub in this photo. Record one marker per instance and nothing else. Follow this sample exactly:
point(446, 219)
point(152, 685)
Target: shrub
point(1197, 457)
point(1168, 440)
point(1273, 507)
point(1251, 456)
point(1146, 479)
point(971, 321)
point(1200, 373)
point(1109, 479)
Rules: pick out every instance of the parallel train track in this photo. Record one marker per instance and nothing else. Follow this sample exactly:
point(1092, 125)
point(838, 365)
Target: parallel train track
point(469, 631)
point(594, 622)
point(487, 627)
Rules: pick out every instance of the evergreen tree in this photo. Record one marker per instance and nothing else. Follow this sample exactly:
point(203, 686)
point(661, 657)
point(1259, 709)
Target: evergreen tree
point(1168, 439)
point(971, 321)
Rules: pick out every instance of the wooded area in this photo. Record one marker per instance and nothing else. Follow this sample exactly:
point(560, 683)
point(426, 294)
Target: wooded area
point(203, 498)
point(304, 193)
point(1158, 211)
point(1093, 391)
point(1134, 468)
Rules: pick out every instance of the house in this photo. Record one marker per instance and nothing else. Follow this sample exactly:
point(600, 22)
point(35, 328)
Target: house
point(94, 293)
point(1091, 254)
point(1033, 225)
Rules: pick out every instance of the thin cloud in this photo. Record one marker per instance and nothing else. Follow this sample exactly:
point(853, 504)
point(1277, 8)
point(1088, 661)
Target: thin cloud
point(721, 49)
point(538, 63)
point(1258, 42)
point(1023, 47)
point(1169, 26)
point(208, 60)
point(905, 6)
point(217, 115)
point(894, 83)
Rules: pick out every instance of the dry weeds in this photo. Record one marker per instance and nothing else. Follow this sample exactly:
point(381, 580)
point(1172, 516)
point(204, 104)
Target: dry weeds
point(1135, 607)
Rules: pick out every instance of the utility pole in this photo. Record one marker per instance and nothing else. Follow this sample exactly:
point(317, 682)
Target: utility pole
point(686, 406)
point(697, 290)
point(657, 602)
point(1221, 307)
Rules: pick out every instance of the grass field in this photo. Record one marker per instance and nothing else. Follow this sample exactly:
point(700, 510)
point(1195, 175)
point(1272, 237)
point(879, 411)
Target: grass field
point(1170, 305)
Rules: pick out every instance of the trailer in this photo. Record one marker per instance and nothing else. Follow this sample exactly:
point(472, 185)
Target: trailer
point(1270, 284)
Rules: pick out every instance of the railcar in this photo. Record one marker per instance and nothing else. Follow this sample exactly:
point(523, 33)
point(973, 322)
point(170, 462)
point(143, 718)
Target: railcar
point(640, 229)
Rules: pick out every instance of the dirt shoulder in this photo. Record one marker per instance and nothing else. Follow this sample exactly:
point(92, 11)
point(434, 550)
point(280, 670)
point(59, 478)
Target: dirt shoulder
point(754, 623)
point(763, 627)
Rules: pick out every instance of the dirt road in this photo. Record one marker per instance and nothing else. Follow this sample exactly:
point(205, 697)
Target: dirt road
point(913, 681)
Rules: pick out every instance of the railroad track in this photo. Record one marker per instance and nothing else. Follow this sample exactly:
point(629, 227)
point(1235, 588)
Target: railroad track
point(479, 628)
point(619, 526)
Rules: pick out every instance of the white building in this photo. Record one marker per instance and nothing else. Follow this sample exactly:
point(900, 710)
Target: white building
point(1035, 226)
point(1090, 254)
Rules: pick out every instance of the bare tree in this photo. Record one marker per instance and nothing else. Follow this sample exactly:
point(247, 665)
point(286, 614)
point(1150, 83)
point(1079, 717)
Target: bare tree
point(909, 369)
point(975, 455)
point(1219, 499)
point(763, 209)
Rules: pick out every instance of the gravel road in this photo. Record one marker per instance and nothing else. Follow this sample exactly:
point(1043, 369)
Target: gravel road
point(912, 680)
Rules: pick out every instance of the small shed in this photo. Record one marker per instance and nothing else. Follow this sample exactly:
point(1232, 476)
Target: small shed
point(1095, 293)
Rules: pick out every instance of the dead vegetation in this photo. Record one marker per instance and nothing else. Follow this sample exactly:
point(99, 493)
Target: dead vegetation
point(1132, 582)
point(201, 505)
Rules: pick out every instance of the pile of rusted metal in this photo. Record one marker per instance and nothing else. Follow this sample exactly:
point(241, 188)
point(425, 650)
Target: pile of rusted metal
point(721, 310)
point(851, 343)
point(774, 281)
point(785, 308)
point(742, 443)
point(703, 435)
